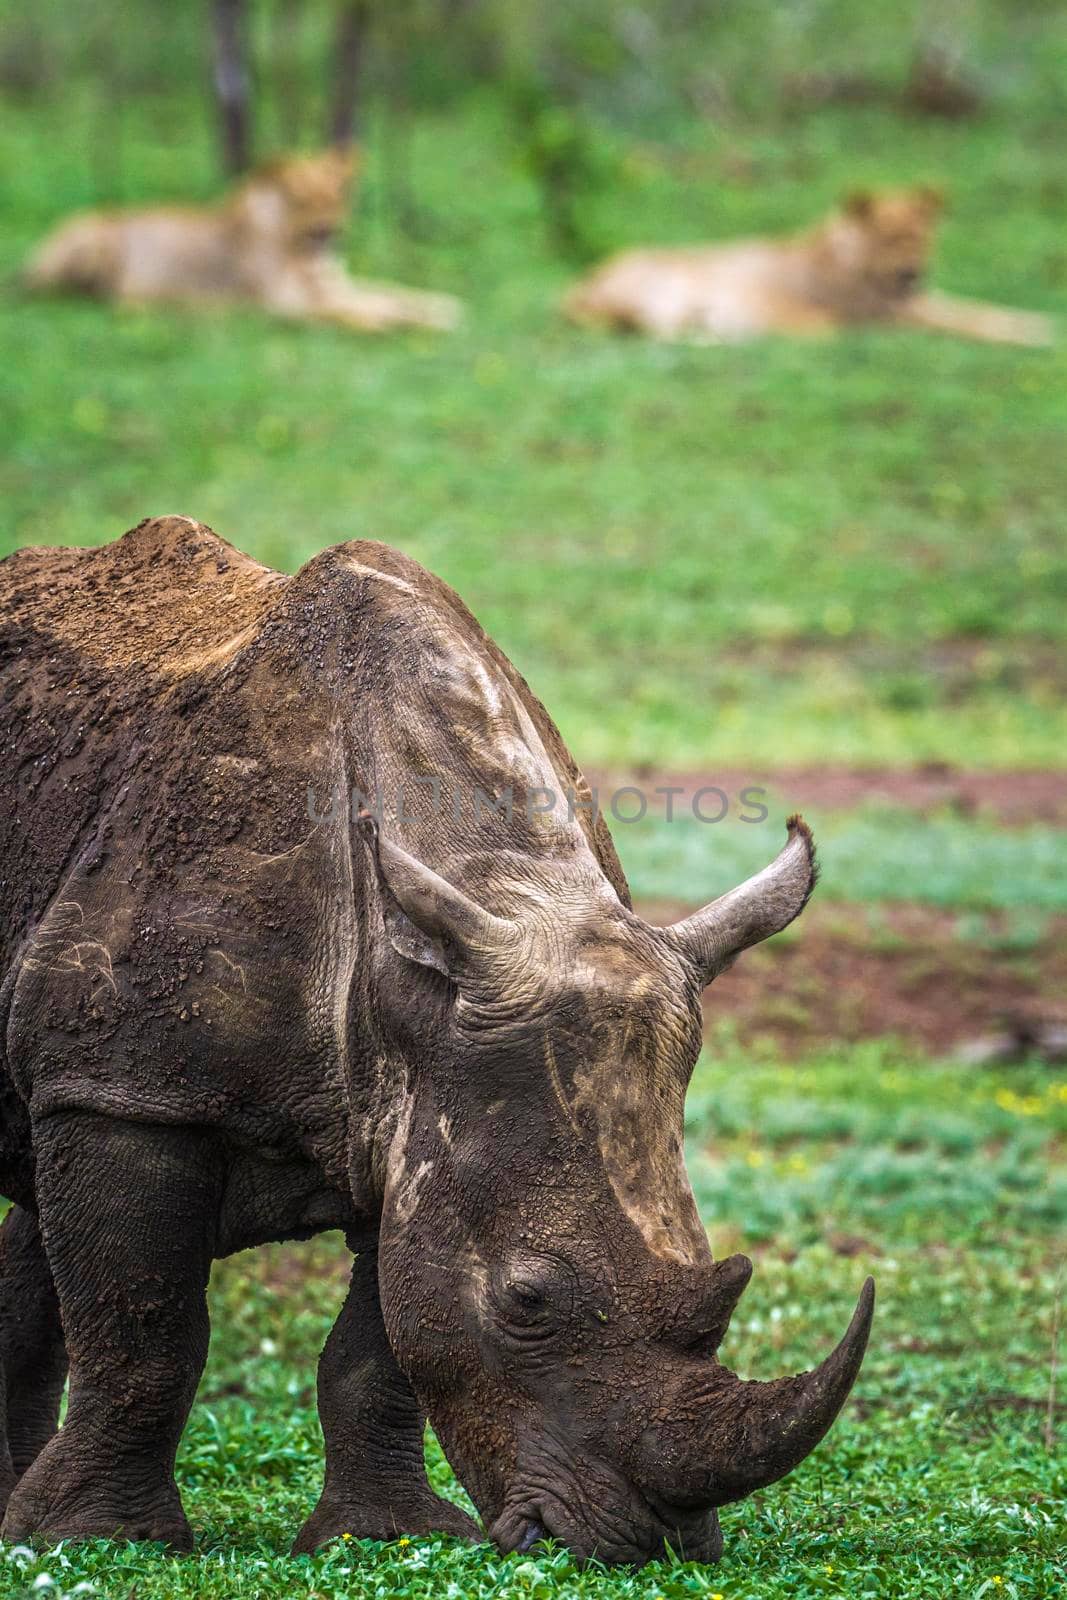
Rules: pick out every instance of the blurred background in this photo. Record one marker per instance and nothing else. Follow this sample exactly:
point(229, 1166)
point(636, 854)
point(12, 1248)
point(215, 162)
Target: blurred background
point(834, 569)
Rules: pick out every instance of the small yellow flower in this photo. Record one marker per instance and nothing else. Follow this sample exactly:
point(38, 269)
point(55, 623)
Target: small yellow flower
point(1020, 1105)
point(716, 1597)
point(403, 1543)
point(997, 1579)
point(829, 1568)
point(347, 1537)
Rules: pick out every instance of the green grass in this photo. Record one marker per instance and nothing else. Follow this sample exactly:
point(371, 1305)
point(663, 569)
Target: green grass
point(848, 550)
point(952, 1188)
point(870, 1142)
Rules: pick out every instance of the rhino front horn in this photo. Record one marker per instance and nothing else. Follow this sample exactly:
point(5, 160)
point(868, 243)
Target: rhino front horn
point(757, 1432)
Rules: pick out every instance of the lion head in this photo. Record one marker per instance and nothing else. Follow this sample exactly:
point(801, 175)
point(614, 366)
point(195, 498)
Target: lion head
point(882, 241)
point(304, 199)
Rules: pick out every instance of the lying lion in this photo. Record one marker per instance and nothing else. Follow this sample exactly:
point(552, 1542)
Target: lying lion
point(864, 263)
point(268, 242)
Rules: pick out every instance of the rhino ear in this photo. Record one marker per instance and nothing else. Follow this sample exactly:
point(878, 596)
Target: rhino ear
point(410, 941)
point(428, 920)
point(712, 938)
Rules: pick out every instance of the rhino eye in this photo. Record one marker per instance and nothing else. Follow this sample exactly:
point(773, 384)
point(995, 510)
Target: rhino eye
point(526, 1310)
point(526, 1296)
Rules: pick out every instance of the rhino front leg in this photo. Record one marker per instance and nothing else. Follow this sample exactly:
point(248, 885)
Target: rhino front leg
point(33, 1355)
point(373, 1426)
point(128, 1214)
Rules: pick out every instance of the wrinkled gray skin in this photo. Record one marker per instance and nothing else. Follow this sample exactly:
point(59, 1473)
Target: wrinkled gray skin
point(226, 1022)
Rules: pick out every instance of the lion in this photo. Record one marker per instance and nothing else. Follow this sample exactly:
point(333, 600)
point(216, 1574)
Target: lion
point(268, 242)
point(866, 263)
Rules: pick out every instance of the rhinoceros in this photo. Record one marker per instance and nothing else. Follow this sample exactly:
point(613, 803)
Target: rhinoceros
point(244, 1000)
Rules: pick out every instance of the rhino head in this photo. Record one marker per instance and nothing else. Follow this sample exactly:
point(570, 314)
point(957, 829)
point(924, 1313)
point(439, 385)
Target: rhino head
point(547, 1286)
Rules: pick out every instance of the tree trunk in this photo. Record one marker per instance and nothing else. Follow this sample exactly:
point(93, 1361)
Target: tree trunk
point(231, 83)
point(353, 25)
point(285, 40)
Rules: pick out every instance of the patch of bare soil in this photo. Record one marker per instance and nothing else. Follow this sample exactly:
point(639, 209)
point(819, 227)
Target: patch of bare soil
point(1012, 798)
point(908, 975)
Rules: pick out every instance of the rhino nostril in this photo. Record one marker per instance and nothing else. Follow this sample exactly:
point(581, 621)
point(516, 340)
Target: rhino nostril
point(533, 1535)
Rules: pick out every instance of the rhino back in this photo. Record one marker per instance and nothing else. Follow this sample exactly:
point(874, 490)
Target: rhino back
point(183, 939)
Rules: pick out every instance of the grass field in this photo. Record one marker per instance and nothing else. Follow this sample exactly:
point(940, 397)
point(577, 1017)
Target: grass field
point(849, 551)
point(843, 549)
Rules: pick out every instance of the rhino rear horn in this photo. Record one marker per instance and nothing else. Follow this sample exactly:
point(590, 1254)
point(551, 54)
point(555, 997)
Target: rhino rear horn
point(438, 925)
point(712, 938)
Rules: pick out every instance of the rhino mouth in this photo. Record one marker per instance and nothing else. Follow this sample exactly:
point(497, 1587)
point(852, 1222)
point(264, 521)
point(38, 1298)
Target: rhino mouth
point(627, 1531)
point(534, 1534)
